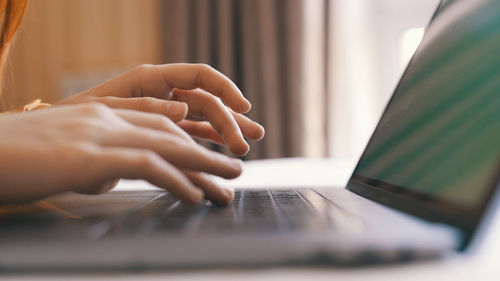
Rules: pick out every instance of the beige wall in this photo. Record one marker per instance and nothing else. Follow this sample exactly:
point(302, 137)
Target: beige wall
point(63, 41)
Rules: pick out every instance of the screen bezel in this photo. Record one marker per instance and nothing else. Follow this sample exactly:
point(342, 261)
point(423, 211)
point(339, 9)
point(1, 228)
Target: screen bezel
point(419, 204)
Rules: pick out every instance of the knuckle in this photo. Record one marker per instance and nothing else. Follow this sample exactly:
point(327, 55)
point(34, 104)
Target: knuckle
point(94, 108)
point(211, 100)
point(182, 139)
point(227, 85)
point(148, 159)
point(147, 102)
point(181, 143)
point(85, 128)
point(204, 67)
point(217, 102)
point(85, 148)
point(203, 70)
point(82, 153)
point(213, 103)
point(144, 68)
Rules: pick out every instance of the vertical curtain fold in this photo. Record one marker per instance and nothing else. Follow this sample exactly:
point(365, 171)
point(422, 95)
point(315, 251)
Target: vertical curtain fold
point(258, 44)
point(270, 91)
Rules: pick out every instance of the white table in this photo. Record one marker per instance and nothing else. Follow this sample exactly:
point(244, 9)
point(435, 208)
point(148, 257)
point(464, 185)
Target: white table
point(485, 265)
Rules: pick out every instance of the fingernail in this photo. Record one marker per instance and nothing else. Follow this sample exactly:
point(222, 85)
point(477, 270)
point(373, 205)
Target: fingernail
point(176, 110)
point(196, 196)
point(246, 149)
point(262, 129)
point(261, 132)
point(238, 163)
point(243, 108)
point(249, 105)
point(238, 166)
point(229, 193)
point(237, 144)
point(233, 167)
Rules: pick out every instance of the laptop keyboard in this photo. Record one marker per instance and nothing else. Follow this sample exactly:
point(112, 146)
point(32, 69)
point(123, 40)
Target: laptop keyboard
point(251, 211)
point(150, 213)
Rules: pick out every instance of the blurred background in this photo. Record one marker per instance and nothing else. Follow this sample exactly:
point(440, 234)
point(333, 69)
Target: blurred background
point(318, 72)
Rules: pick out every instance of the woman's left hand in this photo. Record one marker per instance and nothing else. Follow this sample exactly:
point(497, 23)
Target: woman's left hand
point(203, 102)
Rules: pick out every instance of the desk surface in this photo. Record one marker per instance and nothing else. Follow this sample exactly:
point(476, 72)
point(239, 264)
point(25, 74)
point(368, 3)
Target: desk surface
point(310, 172)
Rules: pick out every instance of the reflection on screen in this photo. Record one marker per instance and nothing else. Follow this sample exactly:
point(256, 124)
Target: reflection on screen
point(440, 134)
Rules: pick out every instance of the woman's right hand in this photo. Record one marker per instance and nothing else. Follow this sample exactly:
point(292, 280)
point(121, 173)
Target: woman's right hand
point(87, 147)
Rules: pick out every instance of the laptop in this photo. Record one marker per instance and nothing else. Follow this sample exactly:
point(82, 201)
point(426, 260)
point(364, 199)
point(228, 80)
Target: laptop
point(426, 185)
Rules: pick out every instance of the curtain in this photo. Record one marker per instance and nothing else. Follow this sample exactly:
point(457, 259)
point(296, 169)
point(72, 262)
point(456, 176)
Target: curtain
point(259, 44)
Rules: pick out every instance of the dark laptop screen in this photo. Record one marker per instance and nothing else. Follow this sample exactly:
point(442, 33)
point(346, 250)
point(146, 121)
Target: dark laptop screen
point(439, 138)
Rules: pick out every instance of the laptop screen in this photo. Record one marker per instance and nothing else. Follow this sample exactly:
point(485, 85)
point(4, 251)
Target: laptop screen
point(438, 140)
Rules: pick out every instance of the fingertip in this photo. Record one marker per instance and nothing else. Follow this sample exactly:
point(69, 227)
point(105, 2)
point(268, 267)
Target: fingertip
point(237, 166)
point(195, 196)
point(241, 149)
point(243, 107)
point(228, 196)
point(248, 105)
point(176, 110)
point(239, 103)
point(258, 133)
point(262, 132)
point(183, 109)
point(246, 148)
point(232, 169)
point(236, 142)
point(229, 192)
point(187, 191)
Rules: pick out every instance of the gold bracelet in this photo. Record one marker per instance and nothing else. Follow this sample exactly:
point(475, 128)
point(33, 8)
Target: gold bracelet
point(34, 105)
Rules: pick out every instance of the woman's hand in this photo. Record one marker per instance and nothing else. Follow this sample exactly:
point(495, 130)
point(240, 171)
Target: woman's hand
point(86, 148)
point(194, 92)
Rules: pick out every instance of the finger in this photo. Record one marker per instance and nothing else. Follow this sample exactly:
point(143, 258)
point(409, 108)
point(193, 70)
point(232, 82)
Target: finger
point(173, 144)
point(203, 104)
point(192, 76)
point(214, 192)
point(107, 186)
point(152, 121)
point(174, 110)
point(97, 188)
point(176, 150)
point(144, 164)
point(201, 130)
point(249, 128)
point(198, 101)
